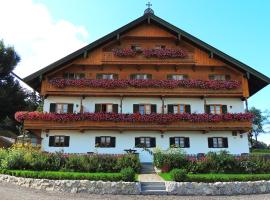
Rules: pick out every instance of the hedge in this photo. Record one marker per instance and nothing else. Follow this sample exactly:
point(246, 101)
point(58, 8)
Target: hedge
point(210, 178)
point(70, 175)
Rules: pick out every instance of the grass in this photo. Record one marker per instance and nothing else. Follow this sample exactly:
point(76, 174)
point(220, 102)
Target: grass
point(58, 175)
point(260, 151)
point(219, 177)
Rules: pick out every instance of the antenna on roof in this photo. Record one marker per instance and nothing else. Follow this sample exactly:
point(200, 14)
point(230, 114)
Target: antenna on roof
point(148, 10)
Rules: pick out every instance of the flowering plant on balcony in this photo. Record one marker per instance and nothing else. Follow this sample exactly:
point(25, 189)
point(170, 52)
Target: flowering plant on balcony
point(136, 117)
point(164, 53)
point(169, 84)
point(124, 52)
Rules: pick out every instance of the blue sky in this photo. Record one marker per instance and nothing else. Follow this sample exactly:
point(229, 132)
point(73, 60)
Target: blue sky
point(239, 28)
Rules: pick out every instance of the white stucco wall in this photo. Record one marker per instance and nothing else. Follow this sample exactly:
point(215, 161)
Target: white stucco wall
point(234, 105)
point(85, 142)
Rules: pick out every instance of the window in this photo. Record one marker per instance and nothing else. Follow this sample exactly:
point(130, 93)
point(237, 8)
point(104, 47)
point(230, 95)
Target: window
point(136, 47)
point(107, 76)
point(221, 77)
point(145, 142)
point(178, 108)
point(144, 108)
point(69, 75)
point(179, 142)
point(106, 108)
point(59, 141)
point(141, 76)
point(160, 47)
point(177, 77)
point(216, 109)
point(61, 108)
point(218, 142)
point(105, 141)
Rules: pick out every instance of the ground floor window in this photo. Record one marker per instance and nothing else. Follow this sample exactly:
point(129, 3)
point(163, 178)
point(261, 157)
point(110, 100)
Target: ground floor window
point(218, 142)
point(179, 142)
point(105, 141)
point(59, 141)
point(145, 142)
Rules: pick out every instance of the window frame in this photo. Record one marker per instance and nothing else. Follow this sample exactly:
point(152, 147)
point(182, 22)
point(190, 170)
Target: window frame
point(215, 108)
point(133, 76)
point(105, 144)
point(145, 106)
point(76, 75)
point(160, 46)
point(218, 145)
point(144, 143)
point(101, 75)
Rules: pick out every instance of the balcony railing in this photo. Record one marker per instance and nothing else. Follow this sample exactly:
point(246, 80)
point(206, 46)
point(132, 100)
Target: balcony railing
point(110, 58)
point(121, 122)
point(123, 87)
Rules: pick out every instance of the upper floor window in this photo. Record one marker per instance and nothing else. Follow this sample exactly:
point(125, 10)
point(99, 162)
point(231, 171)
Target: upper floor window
point(177, 76)
point(180, 142)
point(160, 46)
point(106, 108)
point(216, 109)
point(61, 108)
point(136, 47)
point(144, 108)
point(59, 141)
point(69, 75)
point(105, 141)
point(107, 76)
point(221, 77)
point(145, 142)
point(218, 142)
point(141, 76)
point(178, 108)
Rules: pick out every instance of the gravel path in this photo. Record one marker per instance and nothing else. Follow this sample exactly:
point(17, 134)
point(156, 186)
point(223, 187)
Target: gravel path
point(12, 192)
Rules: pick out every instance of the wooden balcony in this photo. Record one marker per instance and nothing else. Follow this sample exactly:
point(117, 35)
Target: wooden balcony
point(49, 89)
point(110, 58)
point(123, 126)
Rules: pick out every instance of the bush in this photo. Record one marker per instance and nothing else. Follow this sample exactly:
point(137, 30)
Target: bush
point(128, 174)
point(129, 160)
point(33, 159)
point(179, 175)
point(172, 158)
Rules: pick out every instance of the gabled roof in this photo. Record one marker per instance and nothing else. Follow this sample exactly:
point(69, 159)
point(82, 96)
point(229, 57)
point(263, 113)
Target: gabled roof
point(257, 80)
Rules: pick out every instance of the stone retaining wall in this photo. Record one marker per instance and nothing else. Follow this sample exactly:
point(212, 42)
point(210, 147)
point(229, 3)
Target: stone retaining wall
point(218, 188)
point(74, 186)
point(172, 188)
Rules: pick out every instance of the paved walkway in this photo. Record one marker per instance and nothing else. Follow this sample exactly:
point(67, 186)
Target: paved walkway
point(150, 178)
point(13, 192)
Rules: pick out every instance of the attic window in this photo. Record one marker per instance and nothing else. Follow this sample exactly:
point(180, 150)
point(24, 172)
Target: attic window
point(69, 75)
point(136, 47)
point(160, 47)
point(219, 77)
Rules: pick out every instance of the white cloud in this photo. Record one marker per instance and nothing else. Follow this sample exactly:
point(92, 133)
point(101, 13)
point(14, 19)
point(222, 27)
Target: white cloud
point(37, 37)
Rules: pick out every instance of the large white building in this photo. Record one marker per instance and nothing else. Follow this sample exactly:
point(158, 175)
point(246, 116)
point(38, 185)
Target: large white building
point(145, 85)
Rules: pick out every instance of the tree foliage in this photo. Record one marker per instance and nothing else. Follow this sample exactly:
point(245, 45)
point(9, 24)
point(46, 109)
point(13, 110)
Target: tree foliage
point(259, 120)
point(12, 96)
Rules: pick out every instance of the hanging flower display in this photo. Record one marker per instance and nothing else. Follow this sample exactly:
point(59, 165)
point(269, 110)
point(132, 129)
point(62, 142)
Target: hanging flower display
point(124, 52)
point(148, 118)
point(164, 53)
point(169, 84)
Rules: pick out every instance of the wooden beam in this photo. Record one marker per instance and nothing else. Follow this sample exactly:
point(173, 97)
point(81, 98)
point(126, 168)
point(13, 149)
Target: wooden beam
point(85, 54)
point(148, 20)
point(118, 39)
point(211, 55)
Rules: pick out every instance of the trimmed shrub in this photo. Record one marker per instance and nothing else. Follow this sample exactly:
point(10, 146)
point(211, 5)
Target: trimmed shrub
point(179, 175)
point(129, 160)
point(128, 174)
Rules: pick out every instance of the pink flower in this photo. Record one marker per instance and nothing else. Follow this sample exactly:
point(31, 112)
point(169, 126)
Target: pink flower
point(136, 117)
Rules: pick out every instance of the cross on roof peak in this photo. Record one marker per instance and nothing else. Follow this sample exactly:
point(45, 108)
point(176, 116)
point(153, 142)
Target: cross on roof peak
point(148, 4)
point(148, 10)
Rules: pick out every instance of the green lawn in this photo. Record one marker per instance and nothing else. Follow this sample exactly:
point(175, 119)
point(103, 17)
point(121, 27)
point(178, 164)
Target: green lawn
point(220, 177)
